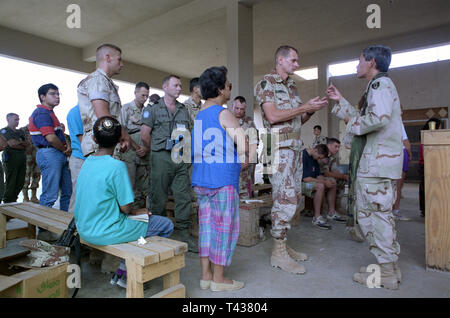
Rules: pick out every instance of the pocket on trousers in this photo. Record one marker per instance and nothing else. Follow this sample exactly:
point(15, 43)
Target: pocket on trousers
point(378, 196)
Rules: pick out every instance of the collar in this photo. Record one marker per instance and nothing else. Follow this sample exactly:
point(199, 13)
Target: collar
point(99, 70)
point(191, 100)
point(43, 106)
point(379, 75)
point(277, 77)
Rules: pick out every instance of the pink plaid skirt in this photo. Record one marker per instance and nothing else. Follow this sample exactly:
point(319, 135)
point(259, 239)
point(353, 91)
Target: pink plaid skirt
point(218, 216)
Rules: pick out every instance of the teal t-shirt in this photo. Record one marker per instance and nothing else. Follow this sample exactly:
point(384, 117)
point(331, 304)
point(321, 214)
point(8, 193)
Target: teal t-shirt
point(103, 186)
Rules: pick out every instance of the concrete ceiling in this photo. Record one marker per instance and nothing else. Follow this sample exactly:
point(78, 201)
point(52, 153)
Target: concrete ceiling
point(186, 36)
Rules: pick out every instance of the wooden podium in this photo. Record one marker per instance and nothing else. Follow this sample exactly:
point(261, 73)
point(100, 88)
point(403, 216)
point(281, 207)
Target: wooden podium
point(437, 197)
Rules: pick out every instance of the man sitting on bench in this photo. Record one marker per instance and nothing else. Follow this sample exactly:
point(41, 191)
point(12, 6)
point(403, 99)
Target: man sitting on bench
point(314, 185)
point(104, 198)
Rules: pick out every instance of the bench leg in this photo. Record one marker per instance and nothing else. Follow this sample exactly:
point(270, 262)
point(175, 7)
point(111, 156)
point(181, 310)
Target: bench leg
point(2, 230)
point(134, 288)
point(31, 231)
point(171, 279)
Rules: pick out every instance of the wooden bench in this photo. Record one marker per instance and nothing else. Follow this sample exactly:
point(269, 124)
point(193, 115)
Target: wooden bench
point(160, 257)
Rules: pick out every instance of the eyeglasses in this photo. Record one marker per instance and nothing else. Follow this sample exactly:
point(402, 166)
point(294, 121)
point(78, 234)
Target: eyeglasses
point(54, 94)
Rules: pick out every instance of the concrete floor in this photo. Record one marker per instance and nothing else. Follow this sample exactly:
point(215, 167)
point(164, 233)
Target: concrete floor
point(332, 261)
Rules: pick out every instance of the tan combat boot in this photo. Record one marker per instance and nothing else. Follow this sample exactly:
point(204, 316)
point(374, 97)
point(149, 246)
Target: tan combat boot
point(281, 259)
point(363, 269)
point(25, 196)
point(388, 277)
point(296, 256)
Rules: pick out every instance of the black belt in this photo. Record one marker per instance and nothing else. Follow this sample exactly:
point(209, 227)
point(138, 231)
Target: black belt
point(133, 131)
point(40, 147)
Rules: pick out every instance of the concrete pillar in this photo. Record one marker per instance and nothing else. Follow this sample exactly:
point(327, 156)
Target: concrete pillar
point(240, 51)
point(325, 114)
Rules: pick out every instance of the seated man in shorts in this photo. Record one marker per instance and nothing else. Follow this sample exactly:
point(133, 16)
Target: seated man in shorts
point(314, 185)
point(105, 197)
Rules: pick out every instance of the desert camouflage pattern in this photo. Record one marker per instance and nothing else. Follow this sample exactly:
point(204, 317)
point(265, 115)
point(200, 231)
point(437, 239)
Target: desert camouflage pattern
point(330, 164)
point(319, 140)
point(286, 191)
point(192, 108)
point(44, 254)
point(138, 168)
point(284, 94)
point(375, 197)
point(96, 85)
point(33, 173)
point(247, 176)
point(382, 125)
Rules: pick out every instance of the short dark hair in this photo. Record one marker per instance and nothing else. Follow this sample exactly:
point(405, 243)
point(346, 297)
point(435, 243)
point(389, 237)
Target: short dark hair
point(211, 80)
point(111, 46)
point(332, 141)
point(381, 54)
point(167, 78)
point(154, 98)
point(107, 131)
point(241, 99)
point(193, 82)
point(283, 51)
point(318, 127)
point(43, 90)
point(322, 149)
point(142, 84)
point(8, 116)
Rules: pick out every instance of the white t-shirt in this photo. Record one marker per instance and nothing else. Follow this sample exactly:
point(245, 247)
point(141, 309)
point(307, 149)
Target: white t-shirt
point(404, 136)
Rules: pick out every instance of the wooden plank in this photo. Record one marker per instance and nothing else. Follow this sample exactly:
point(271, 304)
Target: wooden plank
point(50, 213)
point(165, 252)
point(160, 269)
point(179, 247)
point(13, 250)
point(7, 282)
point(171, 279)
point(29, 217)
point(135, 288)
point(128, 251)
point(178, 291)
point(435, 137)
point(437, 206)
point(16, 233)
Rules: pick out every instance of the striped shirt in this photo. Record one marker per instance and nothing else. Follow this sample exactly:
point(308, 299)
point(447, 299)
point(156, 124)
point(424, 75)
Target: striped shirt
point(43, 122)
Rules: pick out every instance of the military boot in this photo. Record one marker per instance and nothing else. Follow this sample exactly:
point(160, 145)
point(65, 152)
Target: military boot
point(363, 269)
point(34, 196)
point(297, 256)
point(280, 258)
point(355, 233)
point(388, 277)
point(25, 196)
point(184, 236)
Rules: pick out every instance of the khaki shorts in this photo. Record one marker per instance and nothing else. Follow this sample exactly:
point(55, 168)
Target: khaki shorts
point(308, 189)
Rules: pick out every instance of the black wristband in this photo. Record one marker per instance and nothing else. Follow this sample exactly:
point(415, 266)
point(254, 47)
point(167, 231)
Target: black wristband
point(310, 114)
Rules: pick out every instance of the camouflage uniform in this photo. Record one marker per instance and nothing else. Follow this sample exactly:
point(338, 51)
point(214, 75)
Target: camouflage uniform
point(192, 108)
point(33, 172)
point(286, 181)
point(318, 140)
point(247, 176)
point(96, 85)
point(138, 168)
point(380, 165)
point(330, 165)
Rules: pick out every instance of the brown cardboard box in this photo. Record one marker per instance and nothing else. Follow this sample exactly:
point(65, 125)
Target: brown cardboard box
point(21, 282)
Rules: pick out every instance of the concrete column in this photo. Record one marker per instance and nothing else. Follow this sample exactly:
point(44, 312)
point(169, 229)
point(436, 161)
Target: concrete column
point(325, 114)
point(240, 51)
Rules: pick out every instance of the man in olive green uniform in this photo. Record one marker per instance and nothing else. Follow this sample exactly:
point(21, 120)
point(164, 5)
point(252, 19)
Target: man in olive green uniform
point(158, 123)
point(247, 176)
point(138, 166)
point(33, 173)
point(283, 115)
point(14, 158)
point(377, 136)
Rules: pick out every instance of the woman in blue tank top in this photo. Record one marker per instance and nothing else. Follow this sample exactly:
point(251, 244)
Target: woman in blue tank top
point(215, 178)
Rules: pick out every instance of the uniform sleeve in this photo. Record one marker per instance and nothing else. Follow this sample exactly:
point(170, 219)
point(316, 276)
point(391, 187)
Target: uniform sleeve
point(4, 134)
point(124, 115)
point(378, 113)
point(252, 133)
point(264, 93)
point(344, 109)
point(98, 88)
point(147, 117)
point(122, 186)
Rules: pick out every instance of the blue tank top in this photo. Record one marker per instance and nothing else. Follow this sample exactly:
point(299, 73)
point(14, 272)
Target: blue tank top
point(215, 160)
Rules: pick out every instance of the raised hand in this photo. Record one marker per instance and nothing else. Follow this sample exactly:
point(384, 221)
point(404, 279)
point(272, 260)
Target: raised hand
point(333, 93)
point(317, 103)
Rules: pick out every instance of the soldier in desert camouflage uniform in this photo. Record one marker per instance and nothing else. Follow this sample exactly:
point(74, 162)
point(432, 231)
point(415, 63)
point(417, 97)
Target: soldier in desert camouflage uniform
point(283, 115)
point(194, 102)
point(138, 167)
point(377, 128)
point(318, 138)
point(247, 176)
point(33, 174)
point(98, 96)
